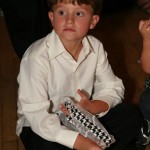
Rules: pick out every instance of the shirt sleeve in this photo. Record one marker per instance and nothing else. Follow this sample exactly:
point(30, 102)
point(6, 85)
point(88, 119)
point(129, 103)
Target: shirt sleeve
point(34, 103)
point(107, 87)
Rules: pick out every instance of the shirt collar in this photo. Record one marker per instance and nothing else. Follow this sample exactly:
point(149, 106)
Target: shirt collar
point(55, 46)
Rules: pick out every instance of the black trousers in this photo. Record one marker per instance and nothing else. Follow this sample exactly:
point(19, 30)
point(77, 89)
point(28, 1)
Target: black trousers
point(27, 21)
point(124, 122)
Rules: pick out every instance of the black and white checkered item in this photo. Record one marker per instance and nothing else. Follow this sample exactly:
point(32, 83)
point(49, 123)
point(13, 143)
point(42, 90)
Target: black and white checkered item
point(147, 83)
point(87, 124)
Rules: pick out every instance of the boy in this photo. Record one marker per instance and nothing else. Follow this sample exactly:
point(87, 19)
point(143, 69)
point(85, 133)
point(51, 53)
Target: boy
point(60, 64)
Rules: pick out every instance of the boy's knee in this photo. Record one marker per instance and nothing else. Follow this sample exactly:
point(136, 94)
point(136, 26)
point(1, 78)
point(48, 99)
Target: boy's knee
point(131, 113)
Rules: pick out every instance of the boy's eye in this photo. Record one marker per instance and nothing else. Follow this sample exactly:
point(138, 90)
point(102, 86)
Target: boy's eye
point(61, 13)
point(79, 14)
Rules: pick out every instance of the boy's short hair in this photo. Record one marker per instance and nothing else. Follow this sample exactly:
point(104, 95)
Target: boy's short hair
point(96, 4)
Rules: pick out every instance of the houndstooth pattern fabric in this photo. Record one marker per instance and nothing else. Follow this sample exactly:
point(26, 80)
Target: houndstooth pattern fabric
point(87, 124)
point(147, 83)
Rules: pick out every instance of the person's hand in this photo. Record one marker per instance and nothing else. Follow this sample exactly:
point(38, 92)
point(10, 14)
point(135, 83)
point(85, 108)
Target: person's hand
point(84, 102)
point(83, 143)
point(64, 109)
point(94, 106)
point(144, 28)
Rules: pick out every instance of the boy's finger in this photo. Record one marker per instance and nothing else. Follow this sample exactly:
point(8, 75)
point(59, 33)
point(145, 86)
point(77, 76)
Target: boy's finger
point(82, 94)
point(64, 110)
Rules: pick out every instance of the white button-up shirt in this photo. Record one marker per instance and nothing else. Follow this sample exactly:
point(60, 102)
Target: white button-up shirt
point(48, 73)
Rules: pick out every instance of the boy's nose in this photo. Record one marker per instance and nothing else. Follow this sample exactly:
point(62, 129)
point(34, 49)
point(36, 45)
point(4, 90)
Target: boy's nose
point(70, 19)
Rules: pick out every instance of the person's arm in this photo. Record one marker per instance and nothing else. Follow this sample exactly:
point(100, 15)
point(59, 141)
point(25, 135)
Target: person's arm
point(108, 89)
point(35, 102)
point(144, 28)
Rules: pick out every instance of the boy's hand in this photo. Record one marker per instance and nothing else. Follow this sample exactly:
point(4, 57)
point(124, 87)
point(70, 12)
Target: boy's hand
point(94, 106)
point(64, 109)
point(84, 102)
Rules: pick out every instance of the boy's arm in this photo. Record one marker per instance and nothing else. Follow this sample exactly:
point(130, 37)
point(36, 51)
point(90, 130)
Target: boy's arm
point(108, 89)
point(34, 103)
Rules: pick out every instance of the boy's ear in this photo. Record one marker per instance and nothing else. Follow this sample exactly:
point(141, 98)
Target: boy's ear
point(94, 21)
point(51, 18)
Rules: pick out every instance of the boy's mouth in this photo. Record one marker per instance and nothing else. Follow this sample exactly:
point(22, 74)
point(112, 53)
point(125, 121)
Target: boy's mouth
point(69, 29)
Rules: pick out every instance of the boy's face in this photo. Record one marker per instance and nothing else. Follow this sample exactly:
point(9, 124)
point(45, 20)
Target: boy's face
point(72, 22)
